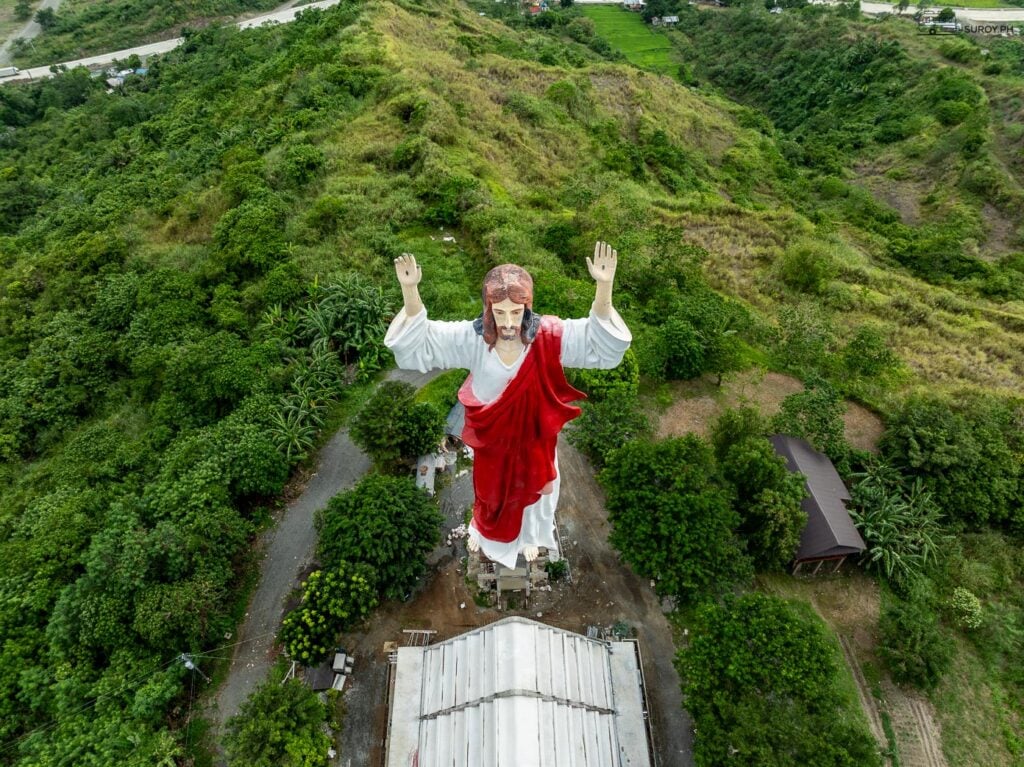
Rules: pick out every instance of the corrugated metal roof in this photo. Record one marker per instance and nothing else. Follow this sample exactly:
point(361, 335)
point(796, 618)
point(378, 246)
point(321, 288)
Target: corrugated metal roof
point(518, 693)
point(829, 530)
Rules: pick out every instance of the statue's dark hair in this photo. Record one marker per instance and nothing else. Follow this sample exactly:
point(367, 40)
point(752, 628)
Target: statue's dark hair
point(512, 282)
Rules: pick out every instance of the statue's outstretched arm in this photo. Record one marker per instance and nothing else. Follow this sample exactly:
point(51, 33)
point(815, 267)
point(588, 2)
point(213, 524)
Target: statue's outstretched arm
point(409, 275)
point(602, 269)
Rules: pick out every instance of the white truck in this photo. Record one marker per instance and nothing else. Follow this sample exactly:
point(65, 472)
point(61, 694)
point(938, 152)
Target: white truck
point(8, 71)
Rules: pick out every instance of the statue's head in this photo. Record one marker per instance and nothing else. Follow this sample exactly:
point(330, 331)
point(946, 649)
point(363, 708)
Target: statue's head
point(508, 305)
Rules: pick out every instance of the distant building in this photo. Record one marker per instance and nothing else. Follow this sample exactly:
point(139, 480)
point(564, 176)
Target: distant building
point(634, 6)
point(830, 535)
point(516, 693)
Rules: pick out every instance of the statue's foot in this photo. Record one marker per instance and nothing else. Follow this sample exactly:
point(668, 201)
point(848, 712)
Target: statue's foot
point(472, 544)
point(530, 553)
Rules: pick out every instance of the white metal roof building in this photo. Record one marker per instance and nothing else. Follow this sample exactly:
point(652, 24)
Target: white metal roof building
point(518, 693)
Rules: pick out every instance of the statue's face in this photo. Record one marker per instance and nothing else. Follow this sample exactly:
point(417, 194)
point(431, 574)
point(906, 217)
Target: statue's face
point(508, 319)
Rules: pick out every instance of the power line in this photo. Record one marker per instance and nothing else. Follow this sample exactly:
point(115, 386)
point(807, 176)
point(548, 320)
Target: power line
point(180, 657)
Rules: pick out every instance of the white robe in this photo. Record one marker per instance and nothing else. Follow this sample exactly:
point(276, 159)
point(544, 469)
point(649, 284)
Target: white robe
point(422, 344)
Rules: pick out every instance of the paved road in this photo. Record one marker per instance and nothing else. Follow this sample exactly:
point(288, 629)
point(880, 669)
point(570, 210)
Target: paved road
point(281, 16)
point(1001, 15)
point(973, 14)
point(289, 548)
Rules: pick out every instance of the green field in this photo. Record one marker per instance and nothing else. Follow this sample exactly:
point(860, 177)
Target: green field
point(627, 32)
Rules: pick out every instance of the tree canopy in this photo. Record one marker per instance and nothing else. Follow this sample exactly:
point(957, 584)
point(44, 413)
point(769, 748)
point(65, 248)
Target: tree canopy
point(385, 522)
point(760, 680)
point(669, 518)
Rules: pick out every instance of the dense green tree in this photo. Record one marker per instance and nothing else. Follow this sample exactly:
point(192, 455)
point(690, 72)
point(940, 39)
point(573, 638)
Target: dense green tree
point(684, 349)
point(280, 725)
point(46, 17)
point(394, 429)
point(606, 425)
point(385, 522)
point(967, 456)
point(621, 381)
point(735, 425)
point(768, 500)
point(669, 520)
point(759, 679)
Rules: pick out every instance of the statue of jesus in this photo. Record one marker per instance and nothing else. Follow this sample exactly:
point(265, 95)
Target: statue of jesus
point(516, 396)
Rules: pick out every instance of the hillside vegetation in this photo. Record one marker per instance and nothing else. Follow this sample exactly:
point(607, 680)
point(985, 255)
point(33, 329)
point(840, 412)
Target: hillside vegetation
point(80, 28)
point(191, 274)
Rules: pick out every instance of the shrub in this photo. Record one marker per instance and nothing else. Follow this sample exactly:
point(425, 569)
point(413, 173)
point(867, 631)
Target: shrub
point(301, 164)
point(806, 266)
point(806, 337)
point(913, 645)
point(394, 429)
point(816, 415)
point(952, 112)
point(867, 353)
point(280, 725)
point(966, 608)
point(251, 236)
point(333, 600)
point(759, 679)
point(385, 522)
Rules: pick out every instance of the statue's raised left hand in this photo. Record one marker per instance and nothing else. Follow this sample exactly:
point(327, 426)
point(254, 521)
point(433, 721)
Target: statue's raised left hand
point(602, 268)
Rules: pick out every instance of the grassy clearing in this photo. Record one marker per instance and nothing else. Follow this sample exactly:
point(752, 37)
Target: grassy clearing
point(643, 46)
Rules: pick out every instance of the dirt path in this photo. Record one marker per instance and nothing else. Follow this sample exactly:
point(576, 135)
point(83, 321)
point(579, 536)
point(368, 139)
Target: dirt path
point(602, 592)
point(288, 547)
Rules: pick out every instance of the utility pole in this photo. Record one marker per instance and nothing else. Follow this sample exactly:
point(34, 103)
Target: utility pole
point(190, 664)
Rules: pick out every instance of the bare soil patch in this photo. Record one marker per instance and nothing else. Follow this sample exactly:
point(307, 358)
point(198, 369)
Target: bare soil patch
point(698, 403)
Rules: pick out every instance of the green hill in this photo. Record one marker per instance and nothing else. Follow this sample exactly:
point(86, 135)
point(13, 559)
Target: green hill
point(180, 259)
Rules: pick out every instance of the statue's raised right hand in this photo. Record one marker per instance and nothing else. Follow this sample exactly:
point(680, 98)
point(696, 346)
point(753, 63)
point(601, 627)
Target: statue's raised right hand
point(409, 273)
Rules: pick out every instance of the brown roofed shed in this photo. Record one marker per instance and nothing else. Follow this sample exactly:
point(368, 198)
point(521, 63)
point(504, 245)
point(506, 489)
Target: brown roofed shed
point(830, 533)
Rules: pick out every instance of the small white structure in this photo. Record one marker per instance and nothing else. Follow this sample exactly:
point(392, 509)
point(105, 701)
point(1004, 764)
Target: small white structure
point(518, 693)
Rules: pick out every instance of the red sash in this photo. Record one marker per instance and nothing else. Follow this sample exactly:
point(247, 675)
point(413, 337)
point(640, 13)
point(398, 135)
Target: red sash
point(514, 437)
